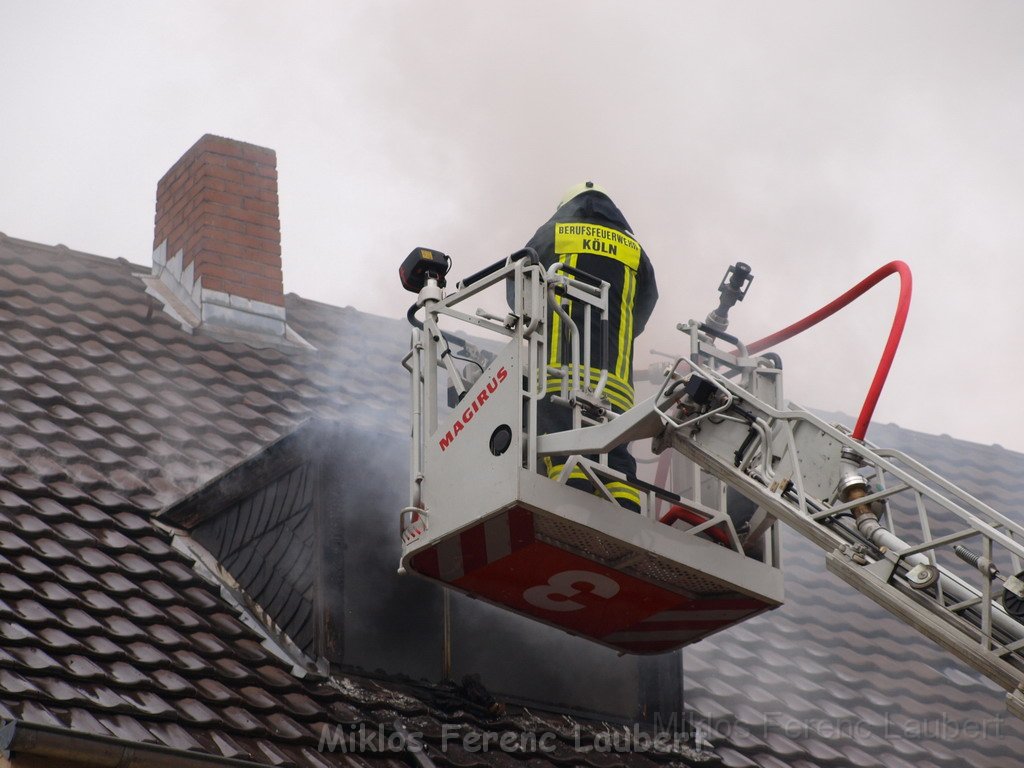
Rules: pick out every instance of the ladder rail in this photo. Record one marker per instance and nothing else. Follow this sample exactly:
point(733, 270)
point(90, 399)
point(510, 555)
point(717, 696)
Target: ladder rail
point(998, 519)
point(966, 618)
point(834, 542)
point(983, 518)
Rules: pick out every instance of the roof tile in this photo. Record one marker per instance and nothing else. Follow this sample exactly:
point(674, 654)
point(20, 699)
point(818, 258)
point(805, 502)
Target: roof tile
point(62, 691)
point(172, 682)
point(319, 760)
point(11, 542)
point(274, 755)
point(227, 626)
point(37, 713)
point(346, 714)
point(29, 484)
point(165, 636)
point(149, 703)
point(100, 602)
point(147, 655)
point(127, 728)
point(32, 568)
point(52, 551)
point(258, 698)
point(35, 659)
point(186, 618)
point(142, 609)
point(301, 705)
point(159, 591)
point(58, 640)
point(284, 727)
point(210, 644)
point(125, 674)
point(194, 711)
point(132, 522)
point(26, 523)
point(12, 682)
point(215, 691)
point(53, 593)
point(82, 720)
point(75, 576)
point(32, 612)
point(177, 572)
point(75, 534)
point(227, 746)
point(243, 720)
point(82, 667)
point(273, 677)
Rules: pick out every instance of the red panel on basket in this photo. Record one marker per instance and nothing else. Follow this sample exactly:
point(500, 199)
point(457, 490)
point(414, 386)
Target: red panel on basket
point(568, 590)
point(520, 526)
point(474, 548)
point(579, 595)
point(426, 563)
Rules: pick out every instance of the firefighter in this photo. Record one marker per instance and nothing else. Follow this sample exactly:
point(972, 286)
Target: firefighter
point(590, 233)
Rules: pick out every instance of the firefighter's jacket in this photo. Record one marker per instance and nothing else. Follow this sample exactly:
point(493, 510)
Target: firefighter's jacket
point(591, 234)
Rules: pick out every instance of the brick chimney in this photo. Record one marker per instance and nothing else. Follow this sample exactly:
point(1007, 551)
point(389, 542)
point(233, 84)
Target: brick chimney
point(217, 244)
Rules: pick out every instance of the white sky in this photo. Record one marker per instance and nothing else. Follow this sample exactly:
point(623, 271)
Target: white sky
point(815, 141)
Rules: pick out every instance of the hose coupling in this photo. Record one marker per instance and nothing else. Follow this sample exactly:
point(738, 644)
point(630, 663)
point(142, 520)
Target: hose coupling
point(853, 486)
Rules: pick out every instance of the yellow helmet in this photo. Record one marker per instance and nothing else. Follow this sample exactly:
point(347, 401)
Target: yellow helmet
point(579, 189)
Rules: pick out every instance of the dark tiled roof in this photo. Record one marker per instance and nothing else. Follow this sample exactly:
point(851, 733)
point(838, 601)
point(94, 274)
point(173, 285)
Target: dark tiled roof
point(831, 679)
point(112, 412)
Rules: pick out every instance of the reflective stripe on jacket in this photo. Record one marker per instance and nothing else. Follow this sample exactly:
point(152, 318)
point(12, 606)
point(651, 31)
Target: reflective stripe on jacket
point(590, 234)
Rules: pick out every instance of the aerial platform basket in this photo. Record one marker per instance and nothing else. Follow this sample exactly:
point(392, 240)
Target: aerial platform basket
point(580, 563)
point(485, 522)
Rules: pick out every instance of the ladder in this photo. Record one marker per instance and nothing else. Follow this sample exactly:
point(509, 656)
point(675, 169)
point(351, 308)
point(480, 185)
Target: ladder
point(940, 560)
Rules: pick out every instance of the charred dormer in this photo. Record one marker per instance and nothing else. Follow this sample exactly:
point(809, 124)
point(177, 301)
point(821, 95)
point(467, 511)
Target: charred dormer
point(305, 535)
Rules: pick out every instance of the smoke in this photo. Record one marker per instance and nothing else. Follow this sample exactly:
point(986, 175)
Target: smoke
point(813, 141)
point(383, 621)
point(393, 623)
point(379, 620)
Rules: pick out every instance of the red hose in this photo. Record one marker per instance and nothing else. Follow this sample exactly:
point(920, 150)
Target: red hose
point(898, 322)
